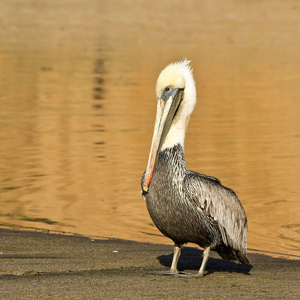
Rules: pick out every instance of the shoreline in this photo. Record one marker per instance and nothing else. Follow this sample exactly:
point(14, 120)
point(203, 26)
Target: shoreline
point(47, 266)
point(273, 254)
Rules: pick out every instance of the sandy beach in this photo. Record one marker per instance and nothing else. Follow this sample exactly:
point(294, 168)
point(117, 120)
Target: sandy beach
point(37, 265)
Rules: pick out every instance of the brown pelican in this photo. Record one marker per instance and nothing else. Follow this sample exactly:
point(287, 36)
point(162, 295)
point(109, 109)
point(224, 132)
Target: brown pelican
point(184, 205)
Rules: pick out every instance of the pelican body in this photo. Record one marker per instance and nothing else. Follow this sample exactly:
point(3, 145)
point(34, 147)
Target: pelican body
point(184, 205)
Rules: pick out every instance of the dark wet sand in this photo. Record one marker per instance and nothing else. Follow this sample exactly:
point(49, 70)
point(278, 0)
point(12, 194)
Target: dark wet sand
point(37, 265)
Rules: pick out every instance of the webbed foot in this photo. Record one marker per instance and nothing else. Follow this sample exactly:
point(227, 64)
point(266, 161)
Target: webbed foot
point(164, 273)
point(189, 275)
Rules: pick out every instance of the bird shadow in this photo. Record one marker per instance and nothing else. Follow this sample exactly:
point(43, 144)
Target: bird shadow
point(191, 259)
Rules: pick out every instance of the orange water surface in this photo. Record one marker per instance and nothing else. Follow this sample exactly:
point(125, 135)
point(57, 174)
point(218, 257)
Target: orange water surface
point(77, 109)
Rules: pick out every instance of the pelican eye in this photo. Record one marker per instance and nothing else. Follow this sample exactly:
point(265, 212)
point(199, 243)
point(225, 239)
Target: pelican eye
point(167, 92)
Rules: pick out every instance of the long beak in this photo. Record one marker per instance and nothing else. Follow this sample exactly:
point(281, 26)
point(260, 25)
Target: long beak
point(166, 109)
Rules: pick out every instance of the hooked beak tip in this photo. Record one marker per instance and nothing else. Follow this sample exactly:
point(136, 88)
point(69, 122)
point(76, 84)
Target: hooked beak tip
point(144, 191)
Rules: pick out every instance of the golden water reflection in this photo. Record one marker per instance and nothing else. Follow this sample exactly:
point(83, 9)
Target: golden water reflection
point(77, 107)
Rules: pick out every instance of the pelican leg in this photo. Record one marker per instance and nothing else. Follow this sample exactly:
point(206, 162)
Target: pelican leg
point(202, 268)
point(204, 262)
point(173, 270)
point(176, 255)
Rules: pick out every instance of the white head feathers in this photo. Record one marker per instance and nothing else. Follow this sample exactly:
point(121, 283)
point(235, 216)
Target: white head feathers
point(178, 75)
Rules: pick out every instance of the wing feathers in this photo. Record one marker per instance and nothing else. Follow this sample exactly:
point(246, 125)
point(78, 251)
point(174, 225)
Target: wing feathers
point(223, 205)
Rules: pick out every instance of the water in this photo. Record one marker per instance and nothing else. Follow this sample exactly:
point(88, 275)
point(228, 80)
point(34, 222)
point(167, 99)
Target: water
point(77, 108)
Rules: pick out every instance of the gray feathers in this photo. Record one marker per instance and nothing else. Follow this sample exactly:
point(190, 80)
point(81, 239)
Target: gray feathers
point(191, 207)
point(221, 204)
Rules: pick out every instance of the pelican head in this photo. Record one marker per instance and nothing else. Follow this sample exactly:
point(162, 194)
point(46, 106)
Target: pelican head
point(176, 99)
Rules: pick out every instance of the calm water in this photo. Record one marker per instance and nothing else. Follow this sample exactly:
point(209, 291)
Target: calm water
point(77, 108)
